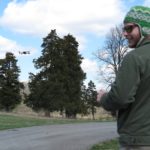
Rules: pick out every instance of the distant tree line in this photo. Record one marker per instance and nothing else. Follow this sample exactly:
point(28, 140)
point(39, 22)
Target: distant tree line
point(59, 83)
point(58, 86)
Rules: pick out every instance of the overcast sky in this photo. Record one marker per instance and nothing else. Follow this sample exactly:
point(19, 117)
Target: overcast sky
point(23, 24)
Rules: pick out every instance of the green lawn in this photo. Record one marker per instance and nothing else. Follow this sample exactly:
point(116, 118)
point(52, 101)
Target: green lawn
point(108, 145)
point(11, 121)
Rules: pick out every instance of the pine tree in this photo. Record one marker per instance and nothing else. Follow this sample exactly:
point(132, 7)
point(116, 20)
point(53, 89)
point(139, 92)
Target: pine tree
point(46, 87)
point(9, 83)
point(84, 101)
point(74, 76)
point(92, 98)
point(57, 86)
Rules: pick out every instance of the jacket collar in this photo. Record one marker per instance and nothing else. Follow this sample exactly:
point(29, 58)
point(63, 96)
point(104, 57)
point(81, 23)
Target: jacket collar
point(144, 41)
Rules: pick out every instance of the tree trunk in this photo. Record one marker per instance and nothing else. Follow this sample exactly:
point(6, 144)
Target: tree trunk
point(47, 114)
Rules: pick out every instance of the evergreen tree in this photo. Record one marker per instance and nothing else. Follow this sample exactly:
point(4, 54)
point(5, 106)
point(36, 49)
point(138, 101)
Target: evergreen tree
point(57, 86)
point(74, 76)
point(46, 87)
point(92, 98)
point(9, 83)
point(84, 101)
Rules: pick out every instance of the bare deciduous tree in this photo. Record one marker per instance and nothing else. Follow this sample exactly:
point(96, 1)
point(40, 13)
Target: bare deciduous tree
point(110, 57)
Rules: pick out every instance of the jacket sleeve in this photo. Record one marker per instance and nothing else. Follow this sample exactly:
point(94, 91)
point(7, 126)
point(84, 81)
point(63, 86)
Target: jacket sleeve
point(123, 90)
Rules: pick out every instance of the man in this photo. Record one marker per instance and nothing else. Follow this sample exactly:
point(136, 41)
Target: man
point(130, 93)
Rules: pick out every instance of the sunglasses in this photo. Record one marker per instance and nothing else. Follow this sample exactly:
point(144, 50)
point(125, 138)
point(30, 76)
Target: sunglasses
point(129, 28)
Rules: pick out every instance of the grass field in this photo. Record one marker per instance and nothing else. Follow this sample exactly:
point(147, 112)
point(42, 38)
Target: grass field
point(24, 116)
point(8, 121)
point(108, 145)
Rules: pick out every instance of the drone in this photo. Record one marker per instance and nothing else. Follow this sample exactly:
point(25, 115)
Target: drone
point(24, 52)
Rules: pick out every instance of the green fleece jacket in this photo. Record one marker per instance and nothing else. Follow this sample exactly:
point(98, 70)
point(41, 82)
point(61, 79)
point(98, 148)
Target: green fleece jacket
point(130, 96)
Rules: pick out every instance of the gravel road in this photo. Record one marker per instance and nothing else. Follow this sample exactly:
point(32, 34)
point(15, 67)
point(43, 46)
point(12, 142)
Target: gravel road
point(57, 137)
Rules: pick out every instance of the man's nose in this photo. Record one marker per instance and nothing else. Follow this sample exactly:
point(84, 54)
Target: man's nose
point(124, 33)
